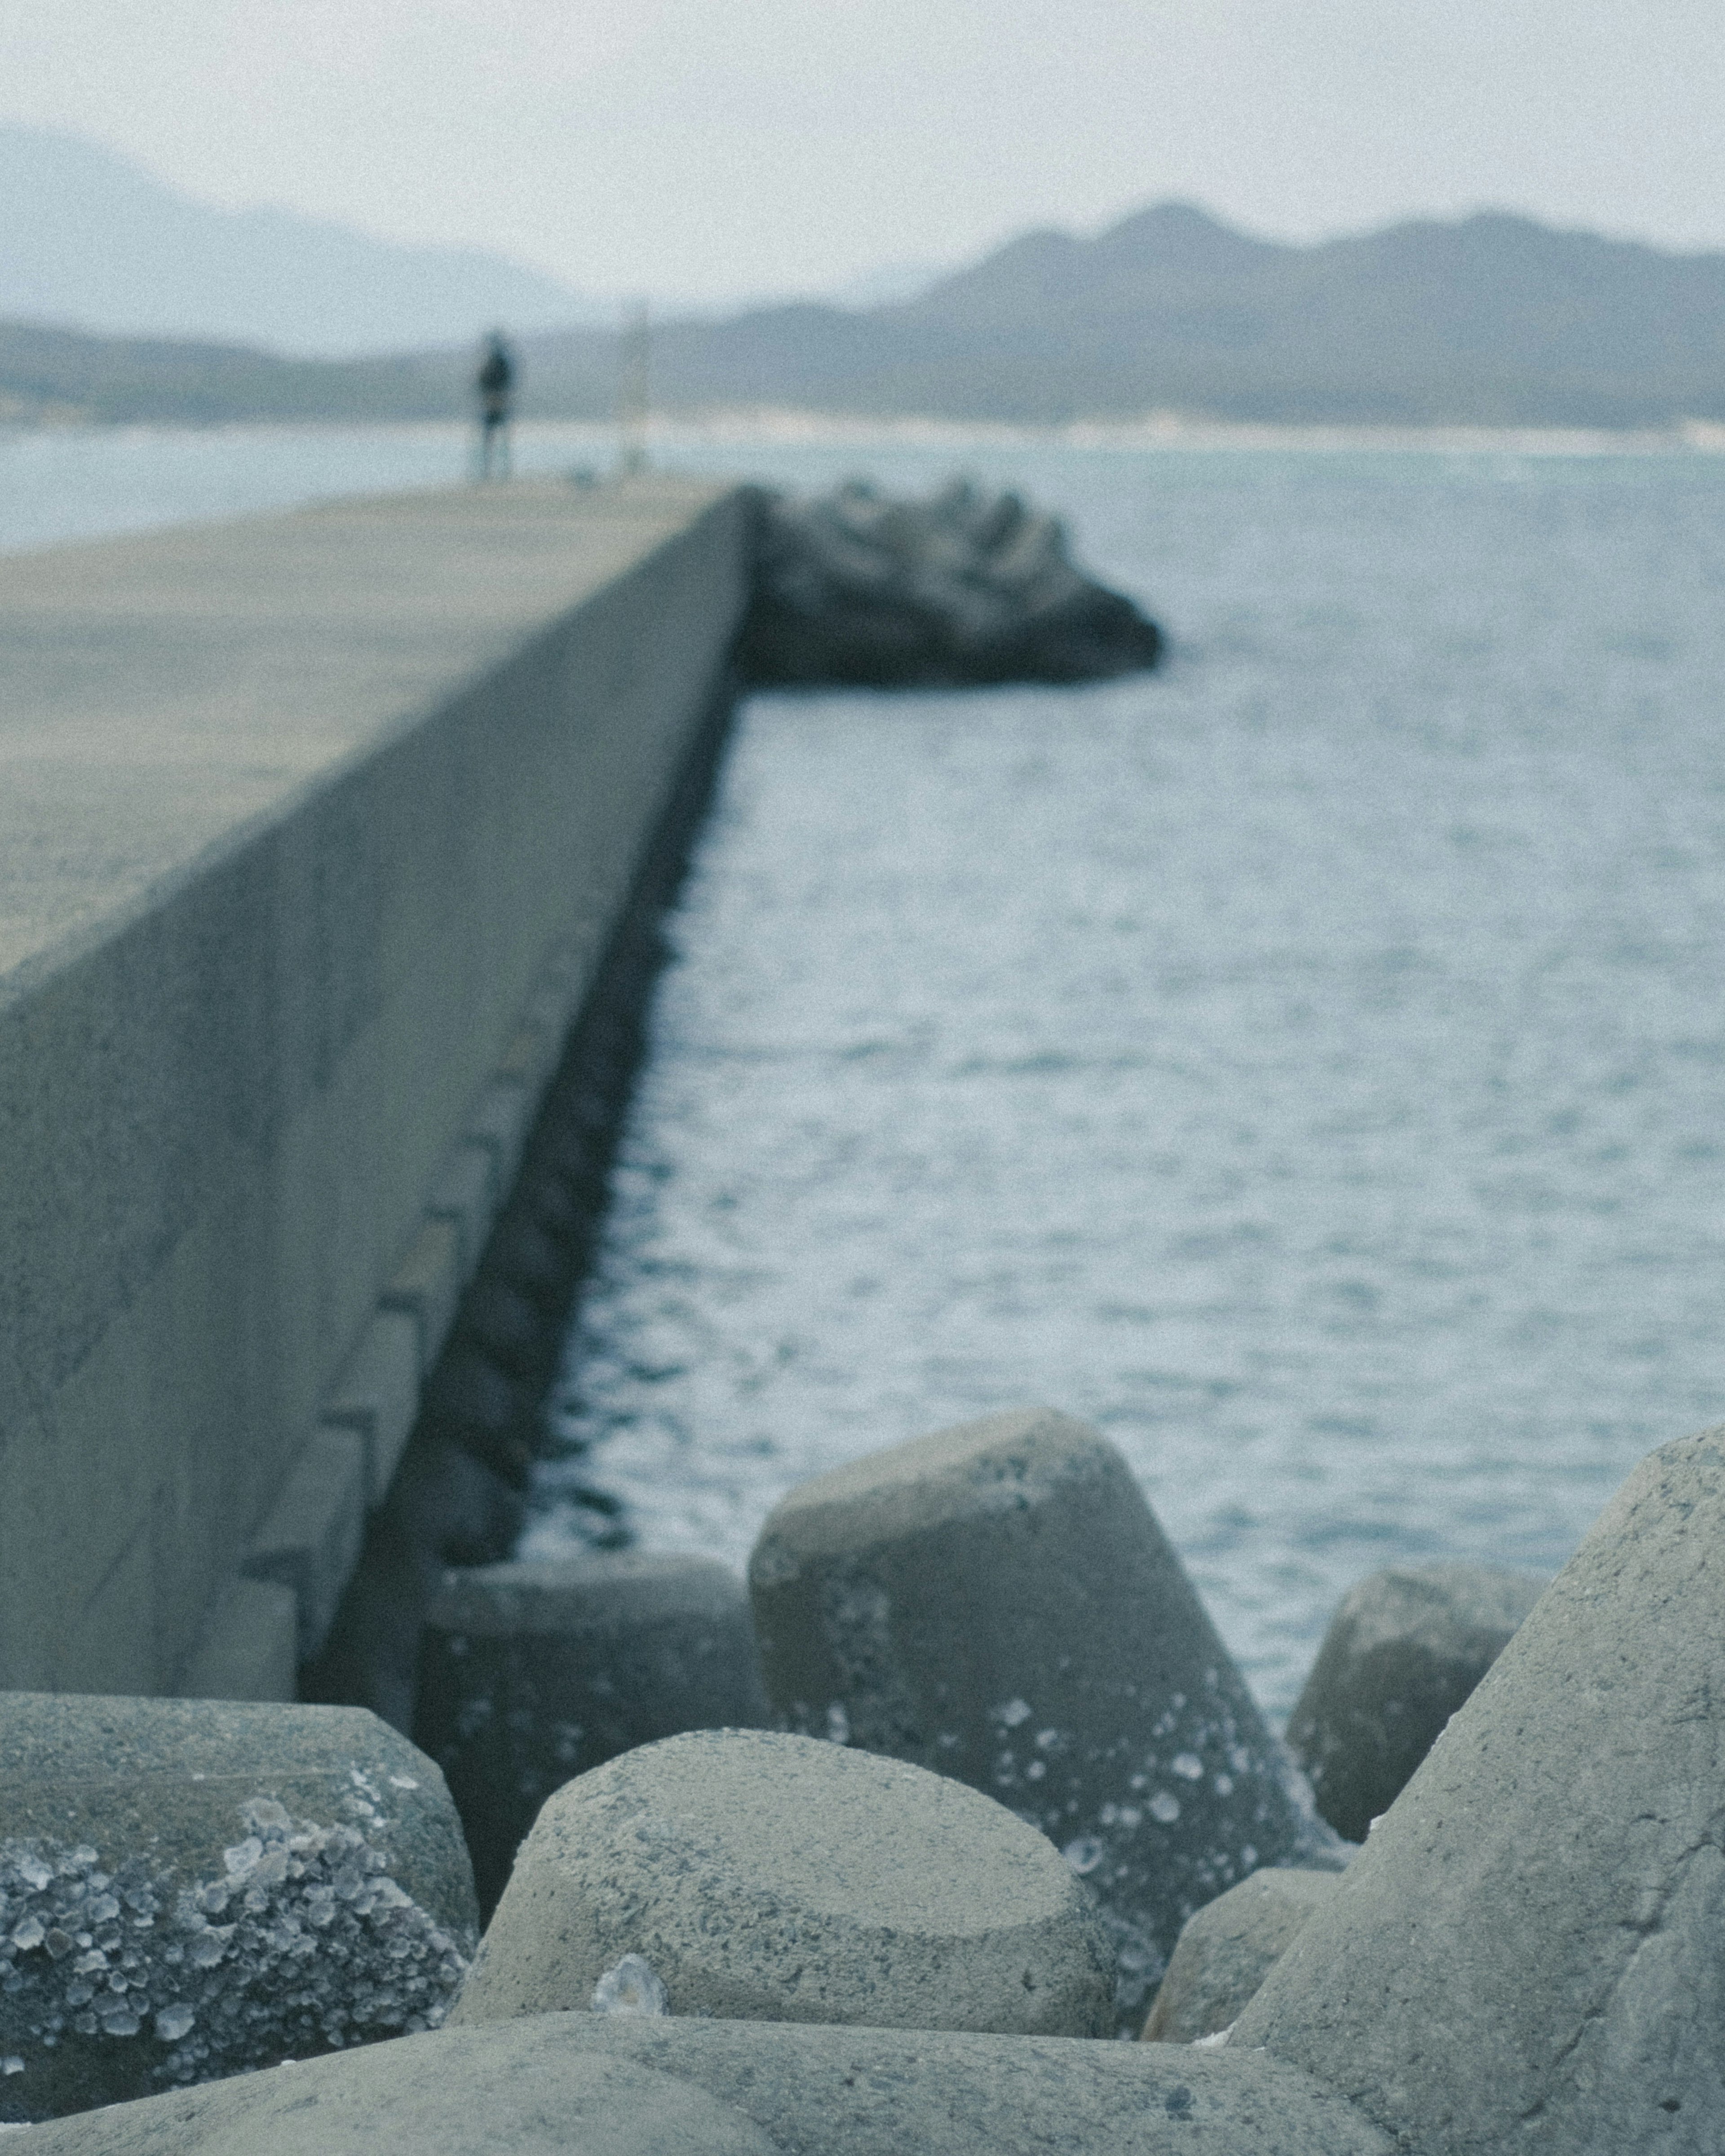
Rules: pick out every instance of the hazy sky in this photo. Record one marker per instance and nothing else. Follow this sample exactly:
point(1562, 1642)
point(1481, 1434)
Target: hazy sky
point(713, 147)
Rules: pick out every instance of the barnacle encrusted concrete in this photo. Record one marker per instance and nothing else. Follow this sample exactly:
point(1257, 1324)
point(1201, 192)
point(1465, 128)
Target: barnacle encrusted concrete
point(191, 1888)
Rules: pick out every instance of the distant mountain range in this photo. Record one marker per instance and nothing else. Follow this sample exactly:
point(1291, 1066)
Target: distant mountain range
point(91, 241)
point(1493, 321)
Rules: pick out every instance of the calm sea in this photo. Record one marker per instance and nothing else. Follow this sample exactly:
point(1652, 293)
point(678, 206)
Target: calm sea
point(1308, 1063)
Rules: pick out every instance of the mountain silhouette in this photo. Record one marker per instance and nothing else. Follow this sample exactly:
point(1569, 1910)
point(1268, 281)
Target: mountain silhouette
point(91, 241)
point(1493, 320)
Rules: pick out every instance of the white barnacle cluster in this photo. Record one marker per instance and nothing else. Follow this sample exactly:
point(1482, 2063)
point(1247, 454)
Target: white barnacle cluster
point(631, 1988)
point(303, 1943)
point(75, 1947)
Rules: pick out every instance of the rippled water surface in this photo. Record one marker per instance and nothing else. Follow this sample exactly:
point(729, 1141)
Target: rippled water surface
point(1308, 1064)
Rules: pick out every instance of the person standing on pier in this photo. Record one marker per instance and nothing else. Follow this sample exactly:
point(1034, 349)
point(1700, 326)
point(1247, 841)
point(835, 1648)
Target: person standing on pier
point(494, 383)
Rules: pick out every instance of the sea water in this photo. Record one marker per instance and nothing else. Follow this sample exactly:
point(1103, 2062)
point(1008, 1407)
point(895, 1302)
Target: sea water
point(1308, 1063)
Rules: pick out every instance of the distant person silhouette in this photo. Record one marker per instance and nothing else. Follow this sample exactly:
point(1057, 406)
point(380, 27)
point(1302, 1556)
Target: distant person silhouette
point(495, 385)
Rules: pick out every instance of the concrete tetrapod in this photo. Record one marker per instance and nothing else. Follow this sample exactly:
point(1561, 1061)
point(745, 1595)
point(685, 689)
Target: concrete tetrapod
point(1529, 1952)
point(531, 1673)
point(589, 2085)
point(190, 1888)
point(1407, 1646)
point(1228, 1949)
point(770, 1877)
point(996, 1602)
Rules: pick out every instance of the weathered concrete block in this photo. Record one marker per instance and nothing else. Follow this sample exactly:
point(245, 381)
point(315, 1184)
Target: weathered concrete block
point(426, 1284)
point(467, 1194)
point(530, 1055)
point(249, 1647)
point(553, 1004)
point(609, 2087)
point(1403, 1652)
point(309, 1540)
point(193, 1888)
point(996, 1602)
point(772, 1877)
point(525, 1253)
point(443, 1508)
point(1529, 1952)
point(378, 1395)
point(531, 1673)
point(1228, 1949)
point(498, 1119)
point(509, 1329)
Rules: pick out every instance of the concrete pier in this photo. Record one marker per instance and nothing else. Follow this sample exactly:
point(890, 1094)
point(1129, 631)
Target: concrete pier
point(312, 829)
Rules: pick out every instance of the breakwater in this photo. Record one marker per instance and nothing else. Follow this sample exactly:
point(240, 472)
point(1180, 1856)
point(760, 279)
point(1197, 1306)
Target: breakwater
point(315, 829)
point(859, 1939)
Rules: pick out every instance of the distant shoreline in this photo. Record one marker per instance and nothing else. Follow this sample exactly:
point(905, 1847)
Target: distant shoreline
point(1154, 431)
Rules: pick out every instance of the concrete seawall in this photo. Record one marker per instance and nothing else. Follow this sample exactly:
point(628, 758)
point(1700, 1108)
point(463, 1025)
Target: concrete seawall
point(312, 830)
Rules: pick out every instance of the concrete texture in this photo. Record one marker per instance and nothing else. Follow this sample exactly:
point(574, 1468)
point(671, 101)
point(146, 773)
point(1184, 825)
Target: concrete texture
point(309, 1539)
point(466, 1194)
point(456, 1500)
point(531, 1673)
point(426, 1284)
point(772, 1878)
point(1404, 1649)
point(293, 812)
point(1529, 1952)
point(499, 1120)
point(377, 1395)
point(249, 1647)
point(588, 2082)
point(193, 1888)
point(996, 1602)
point(1228, 1949)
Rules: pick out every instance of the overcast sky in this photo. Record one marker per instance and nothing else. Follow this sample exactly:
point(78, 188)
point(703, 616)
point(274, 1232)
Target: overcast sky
point(694, 148)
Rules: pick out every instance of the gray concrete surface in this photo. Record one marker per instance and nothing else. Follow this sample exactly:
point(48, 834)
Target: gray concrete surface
point(1529, 1952)
point(309, 1538)
point(1407, 1646)
point(195, 1887)
point(588, 2083)
point(376, 1394)
point(1228, 1949)
point(996, 1602)
point(249, 1647)
point(466, 1194)
point(294, 814)
point(771, 1877)
point(426, 1285)
point(531, 1673)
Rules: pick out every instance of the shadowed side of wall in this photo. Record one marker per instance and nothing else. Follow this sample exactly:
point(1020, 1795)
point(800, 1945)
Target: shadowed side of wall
point(312, 832)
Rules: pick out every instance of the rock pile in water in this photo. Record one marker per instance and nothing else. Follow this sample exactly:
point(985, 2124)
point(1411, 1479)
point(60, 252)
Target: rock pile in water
point(855, 589)
point(759, 1941)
